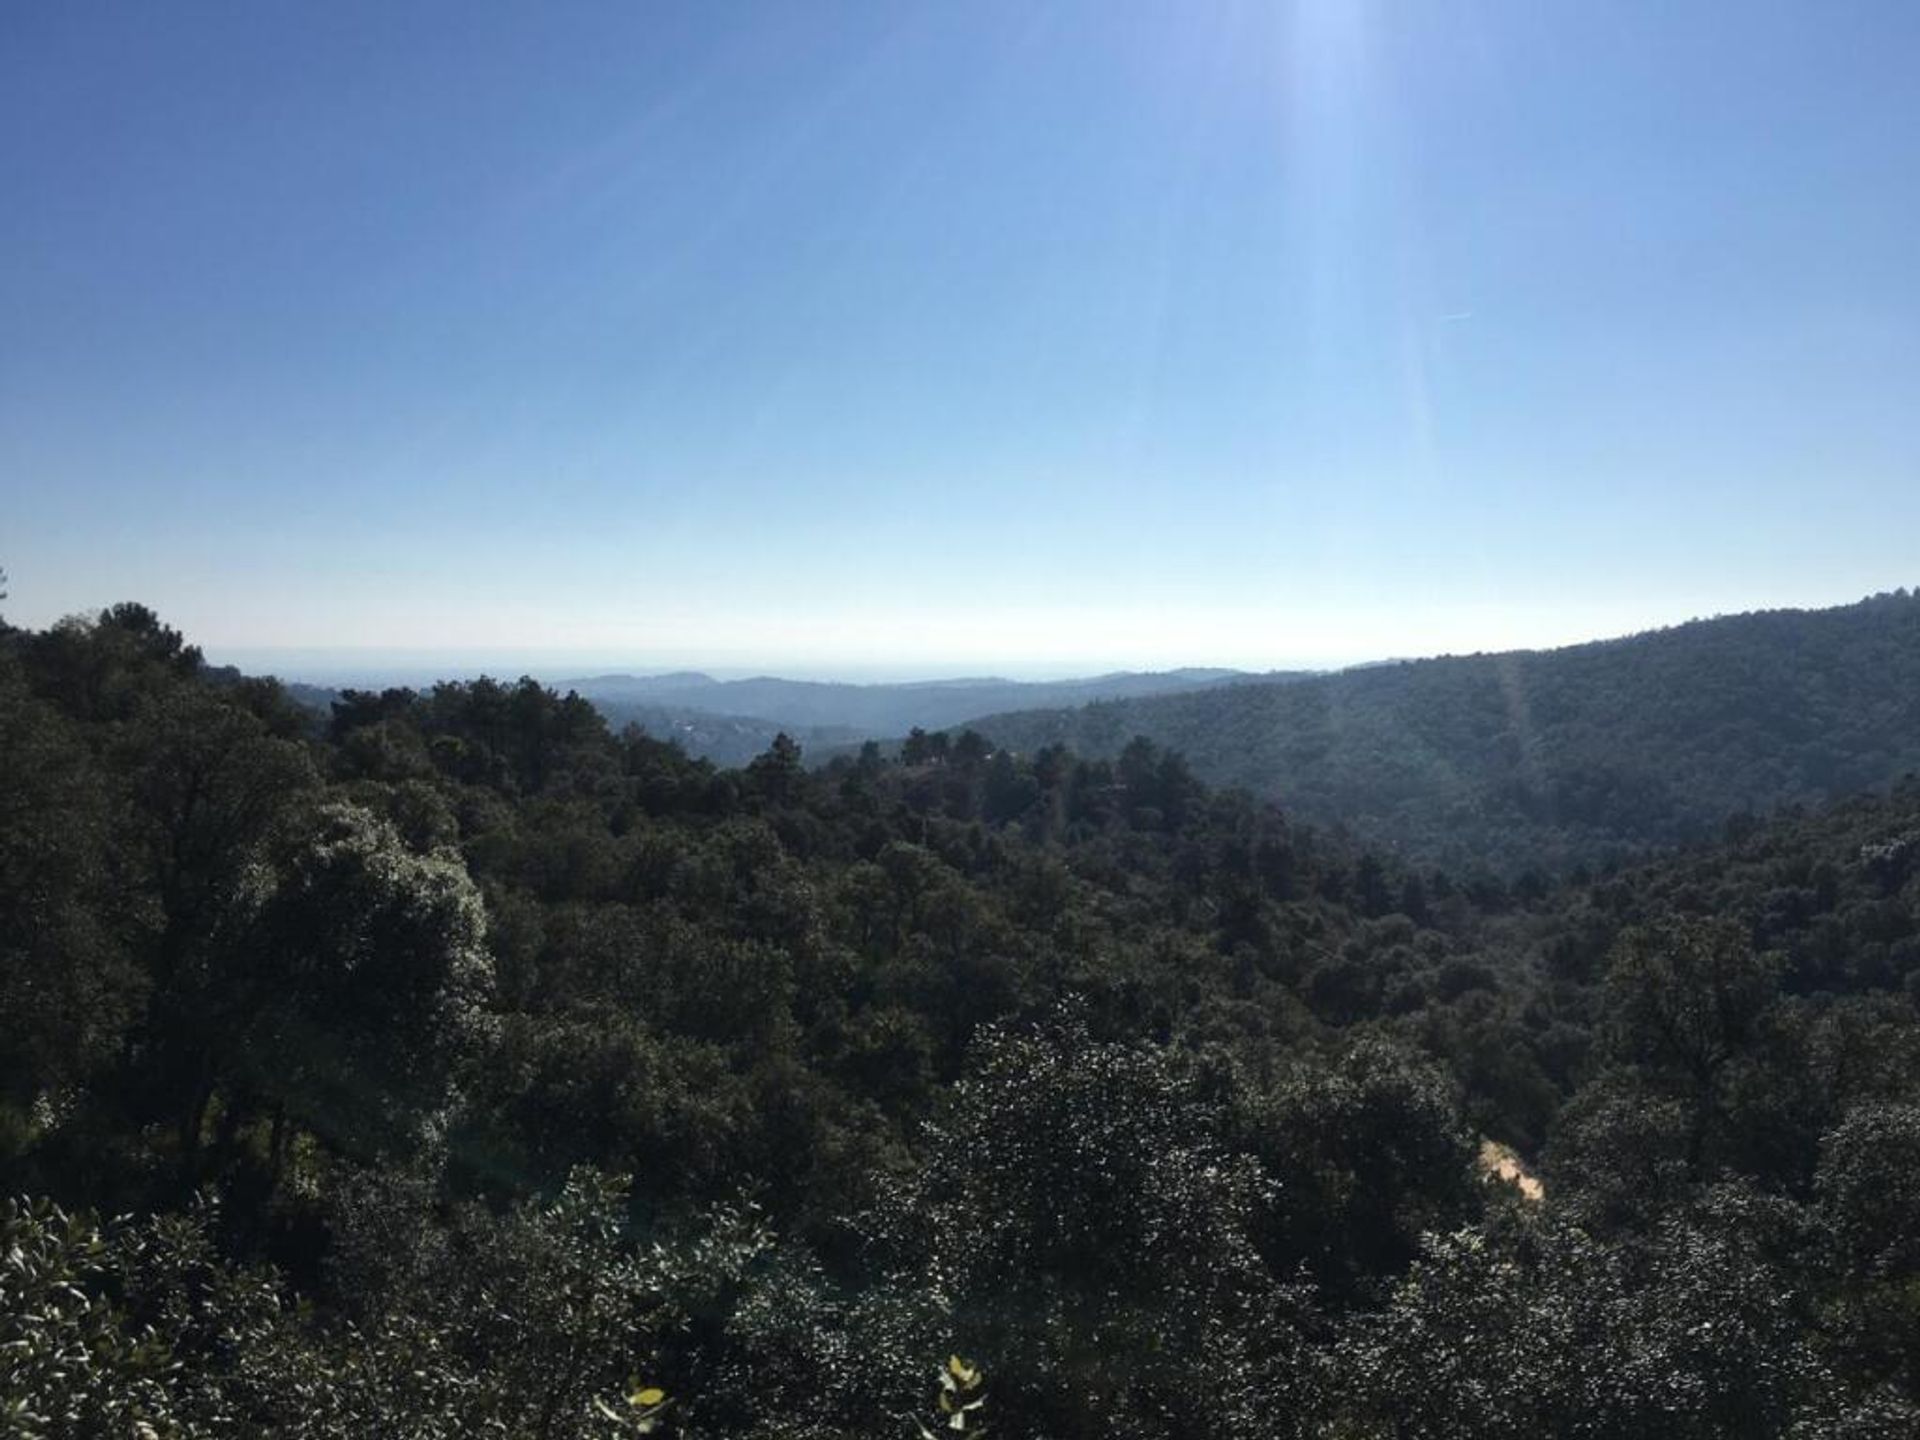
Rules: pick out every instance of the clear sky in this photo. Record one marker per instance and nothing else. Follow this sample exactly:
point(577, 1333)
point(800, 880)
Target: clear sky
point(1031, 336)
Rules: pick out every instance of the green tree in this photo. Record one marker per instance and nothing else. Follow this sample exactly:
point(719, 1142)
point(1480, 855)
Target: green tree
point(68, 984)
point(1869, 1171)
point(358, 978)
point(1684, 1001)
point(1094, 1241)
point(1528, 1328)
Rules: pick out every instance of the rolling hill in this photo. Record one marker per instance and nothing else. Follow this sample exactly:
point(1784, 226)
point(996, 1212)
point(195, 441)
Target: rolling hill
point(1548, 759)
point(731, 720)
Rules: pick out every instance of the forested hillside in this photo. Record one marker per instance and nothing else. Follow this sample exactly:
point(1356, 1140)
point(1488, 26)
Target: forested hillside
point(458, 1067)
point(1547, 759)
point(708, 735)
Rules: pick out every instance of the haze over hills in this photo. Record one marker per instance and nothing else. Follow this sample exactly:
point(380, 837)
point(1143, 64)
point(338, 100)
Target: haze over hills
point(1552, 758)
point(731, 721)
point(864, 710)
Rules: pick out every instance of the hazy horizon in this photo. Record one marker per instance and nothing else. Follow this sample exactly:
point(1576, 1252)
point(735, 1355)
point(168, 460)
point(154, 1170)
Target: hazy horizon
point(336, 665)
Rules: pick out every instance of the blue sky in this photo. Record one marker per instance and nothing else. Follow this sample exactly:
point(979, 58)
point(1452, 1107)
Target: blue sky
point(1030, 337)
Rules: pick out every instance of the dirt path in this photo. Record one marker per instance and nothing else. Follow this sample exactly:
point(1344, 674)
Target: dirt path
point(1499, 1162)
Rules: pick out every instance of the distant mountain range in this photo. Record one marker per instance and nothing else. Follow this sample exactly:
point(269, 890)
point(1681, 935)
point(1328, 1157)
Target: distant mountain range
point(1525, 759)
point(1552, 758)
point(733, 720)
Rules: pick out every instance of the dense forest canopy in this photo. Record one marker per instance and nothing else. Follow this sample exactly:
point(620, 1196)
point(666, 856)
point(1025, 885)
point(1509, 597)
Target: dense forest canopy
point(1554, 758)
point(454, 1065)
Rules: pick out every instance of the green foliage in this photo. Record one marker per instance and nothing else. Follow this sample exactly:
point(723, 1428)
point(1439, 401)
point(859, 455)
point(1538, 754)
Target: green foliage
point(1553, 758)
point(1086, 1228)
point(1529, 1329)
point(1366, 1156)
point(1160, 1105)
point(356, 973)
point(68, 984)
point(71, 1363)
